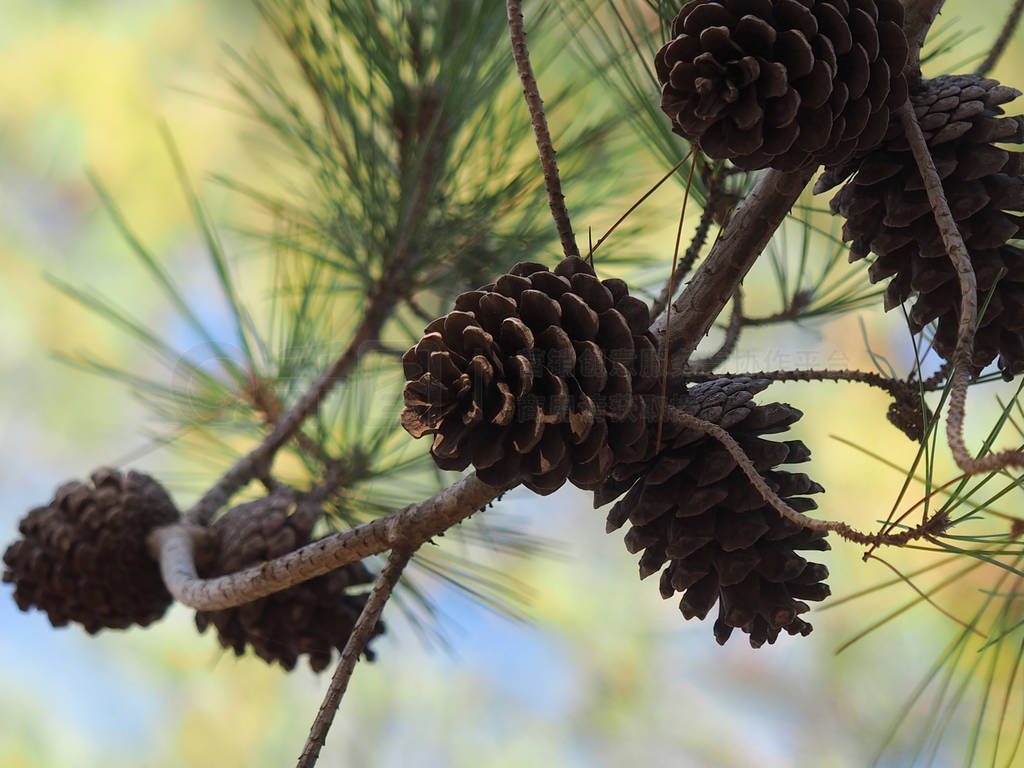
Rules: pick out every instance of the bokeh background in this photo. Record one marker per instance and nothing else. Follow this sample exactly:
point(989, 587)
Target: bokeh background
point(604, 673)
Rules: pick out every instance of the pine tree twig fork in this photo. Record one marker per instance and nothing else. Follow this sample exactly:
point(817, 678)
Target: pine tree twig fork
point(383, 298)
point(378, 309)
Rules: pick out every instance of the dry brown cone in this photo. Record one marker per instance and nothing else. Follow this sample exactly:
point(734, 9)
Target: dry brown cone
point(694, 513)
point(83, 557)
point(535, 378)
point(908, 413)
point(783, 83)
point(311, 618)
point(888, 214)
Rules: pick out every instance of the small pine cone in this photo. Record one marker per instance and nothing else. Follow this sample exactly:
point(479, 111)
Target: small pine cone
point(908, 413)
point(887, 213)
point(784, 84)
point(83, 557)
point(310, 618)
point(535, 378)
point(692, 507)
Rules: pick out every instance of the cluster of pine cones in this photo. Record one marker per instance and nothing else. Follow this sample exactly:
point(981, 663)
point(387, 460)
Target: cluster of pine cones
point(789, 85)
point(82, 558)
point(548, 376)
point(543, 377)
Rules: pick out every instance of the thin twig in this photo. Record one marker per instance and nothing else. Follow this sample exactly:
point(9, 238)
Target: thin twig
point(872, 379)
point(963, 353)
point(388, 351)
point(419, 310)
point(700, 237)
point(556, 200)
point(671, 288)
point(937, 523)
point(937, 379)
point(741, 242)
point(381, 303)
point(999, 46)
point(732, 337)
point(382, 300)
point(361, 633)
point(798, 302)
point(173, 547)
point(594, 246)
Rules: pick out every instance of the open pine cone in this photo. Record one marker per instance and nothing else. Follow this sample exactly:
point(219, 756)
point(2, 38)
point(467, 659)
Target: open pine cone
point(783, 83)
point(535, 378)
point(693, 508)
point(887, 213)
point(83, 557)
point(310, 618)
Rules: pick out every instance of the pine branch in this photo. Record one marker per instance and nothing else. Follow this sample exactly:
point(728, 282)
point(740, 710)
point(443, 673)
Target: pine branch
point(918, 18)
point(379, 308)
point(361, 634)
point(872, 379)
point(556, 200)
point(798, 302)
point(173, 546)
point(935, 381)
point(999, 46)
point(382, 301)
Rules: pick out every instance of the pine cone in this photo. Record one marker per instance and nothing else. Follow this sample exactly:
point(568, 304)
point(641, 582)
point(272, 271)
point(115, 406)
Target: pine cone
point(310, 618)
point(887, 213)
point(910, 415)
point(535, 378)
point(83, 557)
point(784, 84)
point(692, 507)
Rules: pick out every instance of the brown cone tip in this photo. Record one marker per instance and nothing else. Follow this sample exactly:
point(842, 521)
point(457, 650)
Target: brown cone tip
point(83, 557)
point(784, 83)
point(696, 518)
point(888, 214)
point(910, 415)
point(536, 378)
point(312, 618)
